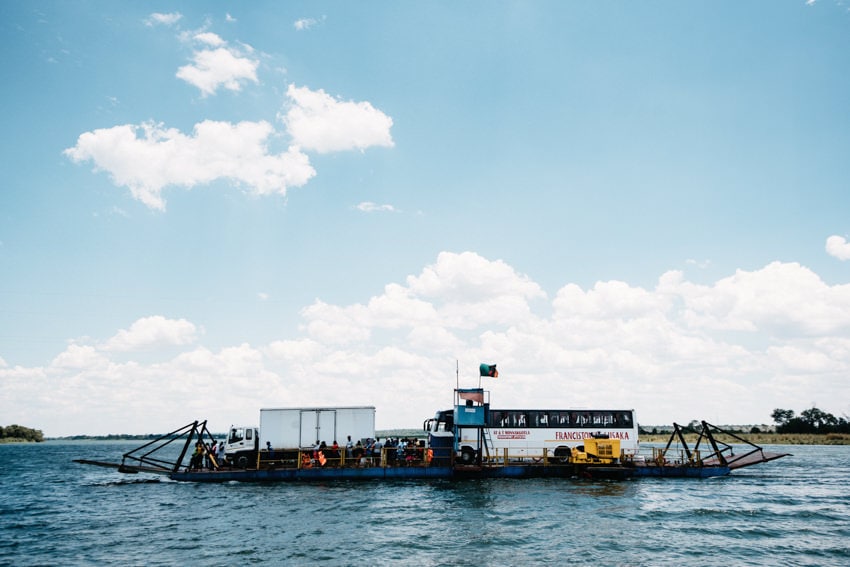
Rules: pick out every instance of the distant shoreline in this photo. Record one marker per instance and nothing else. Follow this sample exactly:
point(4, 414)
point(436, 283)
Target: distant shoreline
point(761, 438)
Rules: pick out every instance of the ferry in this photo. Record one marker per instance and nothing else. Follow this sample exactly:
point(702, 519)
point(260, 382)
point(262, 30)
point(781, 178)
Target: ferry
point(470, 440)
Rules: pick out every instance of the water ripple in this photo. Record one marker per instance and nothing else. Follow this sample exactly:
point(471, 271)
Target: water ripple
point(792, 512)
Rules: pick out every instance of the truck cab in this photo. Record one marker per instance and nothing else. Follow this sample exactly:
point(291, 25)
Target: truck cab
point(441, 437)
point(242, 445)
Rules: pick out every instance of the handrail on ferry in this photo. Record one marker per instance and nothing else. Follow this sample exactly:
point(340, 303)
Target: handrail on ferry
point(534, 455)
point(304, 458)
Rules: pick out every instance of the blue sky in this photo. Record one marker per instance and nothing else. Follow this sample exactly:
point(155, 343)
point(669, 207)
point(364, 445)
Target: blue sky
point(208, 208)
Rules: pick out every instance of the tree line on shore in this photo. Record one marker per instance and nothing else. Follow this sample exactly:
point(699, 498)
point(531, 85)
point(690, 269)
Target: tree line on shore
point(20, 433)
point(809, 421)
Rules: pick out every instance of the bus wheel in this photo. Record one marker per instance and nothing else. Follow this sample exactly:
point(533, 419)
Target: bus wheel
point(562, 454)
point(467, 456)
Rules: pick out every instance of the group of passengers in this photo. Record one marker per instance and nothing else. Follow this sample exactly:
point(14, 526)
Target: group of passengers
point(393, 451)
point(207, 456)
point(364, 452)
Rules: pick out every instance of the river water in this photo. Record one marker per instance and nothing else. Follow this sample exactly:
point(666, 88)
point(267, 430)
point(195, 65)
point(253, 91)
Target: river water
point(794, 511)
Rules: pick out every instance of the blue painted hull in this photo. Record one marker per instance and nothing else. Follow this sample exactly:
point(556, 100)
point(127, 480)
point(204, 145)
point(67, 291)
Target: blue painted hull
point(285, 475)
point(681, 471)
point(446, 472)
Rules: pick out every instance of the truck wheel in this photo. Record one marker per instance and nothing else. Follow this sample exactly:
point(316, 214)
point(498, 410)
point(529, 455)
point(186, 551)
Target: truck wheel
point(242, 462)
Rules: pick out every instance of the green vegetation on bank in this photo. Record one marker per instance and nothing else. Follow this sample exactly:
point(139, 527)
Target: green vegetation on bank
point(759, 438)
point(811, 427)
point(19, 433)
point(812, 421)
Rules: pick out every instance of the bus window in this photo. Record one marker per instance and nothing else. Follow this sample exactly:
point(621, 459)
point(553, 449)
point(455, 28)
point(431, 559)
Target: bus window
point(623, 419)
point(559, 418)
point(495, 418)
point(539, 419)
point(544, 419)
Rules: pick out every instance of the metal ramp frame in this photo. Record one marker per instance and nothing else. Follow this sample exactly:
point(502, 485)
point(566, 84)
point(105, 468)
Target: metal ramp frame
point(146, 457)
point(721, 453)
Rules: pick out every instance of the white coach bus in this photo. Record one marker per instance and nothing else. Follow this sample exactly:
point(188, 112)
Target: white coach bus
point(526, 432)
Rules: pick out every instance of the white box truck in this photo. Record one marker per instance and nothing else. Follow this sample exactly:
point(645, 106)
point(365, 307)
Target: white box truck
point(298, 428)
point(291, 428)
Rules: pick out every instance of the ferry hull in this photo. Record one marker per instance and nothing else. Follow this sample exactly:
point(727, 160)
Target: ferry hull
point(292, 475)
point(457, 473)
point(680, 471)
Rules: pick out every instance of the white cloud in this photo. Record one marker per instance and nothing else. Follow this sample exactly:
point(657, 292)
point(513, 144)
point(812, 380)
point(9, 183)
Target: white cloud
point(702, 264)
point(220, 67)
point(470, 278)
point(210, 38)
point(605, 300)
point(370, 207)
point(838, 247)
point(163, 157)
point(675, 352)
point(304, 24)
point(459, 292)
point(148, 157)
point(335, 325)
point(301, 350)
point(317, 121)
point(795, 359)
point(163, 19)
point(79, 357)
point(781, 299)
point(434, 338)
point(150, 332)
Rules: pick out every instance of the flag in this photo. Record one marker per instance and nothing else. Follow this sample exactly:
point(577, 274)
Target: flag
point(489, 370)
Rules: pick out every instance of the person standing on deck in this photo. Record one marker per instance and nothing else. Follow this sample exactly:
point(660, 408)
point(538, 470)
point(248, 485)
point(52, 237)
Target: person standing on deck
point(270, 451)
point(220, 455)
point(349, 448)
point(197, 457)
